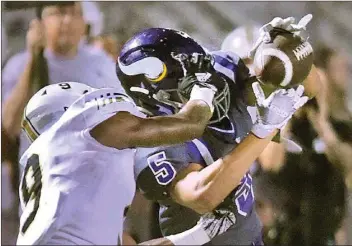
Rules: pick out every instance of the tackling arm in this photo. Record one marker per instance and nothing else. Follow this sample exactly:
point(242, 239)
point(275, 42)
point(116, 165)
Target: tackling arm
point(125, 130)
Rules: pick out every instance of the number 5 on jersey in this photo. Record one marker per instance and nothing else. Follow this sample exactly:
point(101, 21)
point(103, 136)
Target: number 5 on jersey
point(163, 170)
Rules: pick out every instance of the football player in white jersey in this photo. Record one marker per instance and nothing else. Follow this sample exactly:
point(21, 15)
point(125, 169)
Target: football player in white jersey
point(78, 173)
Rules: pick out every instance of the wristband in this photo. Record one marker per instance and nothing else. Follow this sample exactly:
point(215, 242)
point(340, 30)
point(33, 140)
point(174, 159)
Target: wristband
point(194, 236)
point(205, 94)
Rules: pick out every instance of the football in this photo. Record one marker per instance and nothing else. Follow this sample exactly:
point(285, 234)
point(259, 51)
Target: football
point(284, 62)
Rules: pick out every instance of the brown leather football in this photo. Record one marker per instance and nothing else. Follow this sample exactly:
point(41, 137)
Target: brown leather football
point(284, 62)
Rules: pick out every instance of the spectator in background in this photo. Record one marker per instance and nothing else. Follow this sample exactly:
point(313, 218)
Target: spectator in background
point(9, 188)
point(107, 43)
point(60, 32)
point(9, 172)
point(307, 199)
point(93, 18)
point(94, 26)
point(333, 120)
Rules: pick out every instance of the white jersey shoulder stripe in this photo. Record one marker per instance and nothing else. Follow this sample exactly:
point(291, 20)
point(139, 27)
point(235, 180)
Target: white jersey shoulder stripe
point(97, 106)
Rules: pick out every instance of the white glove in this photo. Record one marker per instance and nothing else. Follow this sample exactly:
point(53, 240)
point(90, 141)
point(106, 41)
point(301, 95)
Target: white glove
point(217, 222)
point(275, 111)
point(286, 24)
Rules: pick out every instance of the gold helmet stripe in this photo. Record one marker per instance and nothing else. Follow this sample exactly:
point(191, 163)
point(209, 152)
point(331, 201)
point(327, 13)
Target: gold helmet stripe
point(28, 128)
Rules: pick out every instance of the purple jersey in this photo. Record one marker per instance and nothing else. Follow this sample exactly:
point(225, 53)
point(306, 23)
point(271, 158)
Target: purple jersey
point(155, 168)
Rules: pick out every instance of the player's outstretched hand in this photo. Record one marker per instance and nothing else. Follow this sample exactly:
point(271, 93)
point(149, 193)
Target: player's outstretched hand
point(287, 24)
point(278, 23)
point(275, 111)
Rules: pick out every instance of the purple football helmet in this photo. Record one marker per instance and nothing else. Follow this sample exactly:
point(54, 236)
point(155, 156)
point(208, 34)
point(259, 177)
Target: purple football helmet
point(149, 72)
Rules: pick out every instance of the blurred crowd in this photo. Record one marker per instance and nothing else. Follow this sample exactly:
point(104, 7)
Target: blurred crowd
point(312, 191)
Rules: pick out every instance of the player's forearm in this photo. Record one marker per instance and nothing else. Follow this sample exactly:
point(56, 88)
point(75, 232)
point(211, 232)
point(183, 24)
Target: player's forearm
point(16, 102)
point(158, 241)
point(232, 168)
point(184, 126)
point(215, 182)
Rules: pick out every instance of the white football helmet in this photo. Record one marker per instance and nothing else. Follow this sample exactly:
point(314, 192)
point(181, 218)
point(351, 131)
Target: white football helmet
point(241, 40)
point(46, 107)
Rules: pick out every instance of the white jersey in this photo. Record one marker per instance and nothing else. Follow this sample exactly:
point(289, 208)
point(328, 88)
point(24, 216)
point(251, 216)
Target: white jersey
point(74, 190)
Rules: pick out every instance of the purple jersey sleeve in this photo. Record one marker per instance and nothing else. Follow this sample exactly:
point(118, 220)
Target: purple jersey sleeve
point(156, 168)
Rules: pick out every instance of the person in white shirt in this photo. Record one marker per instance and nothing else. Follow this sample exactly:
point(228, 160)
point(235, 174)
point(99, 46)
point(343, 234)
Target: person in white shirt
point(59, 32)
